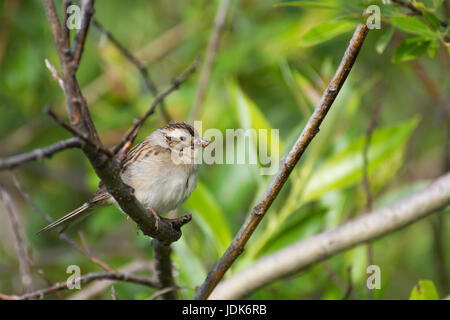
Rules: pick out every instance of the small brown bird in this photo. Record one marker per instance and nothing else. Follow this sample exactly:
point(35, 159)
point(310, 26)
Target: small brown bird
point(161, 169)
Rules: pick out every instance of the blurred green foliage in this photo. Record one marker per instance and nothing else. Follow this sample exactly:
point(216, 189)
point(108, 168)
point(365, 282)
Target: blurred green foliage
point(273, 63)
point(424, 290)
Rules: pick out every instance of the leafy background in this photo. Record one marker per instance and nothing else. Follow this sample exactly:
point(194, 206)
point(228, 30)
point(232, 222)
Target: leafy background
point(273, 63)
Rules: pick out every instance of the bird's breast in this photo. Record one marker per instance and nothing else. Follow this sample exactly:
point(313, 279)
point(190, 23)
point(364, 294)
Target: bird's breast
point(163, 190)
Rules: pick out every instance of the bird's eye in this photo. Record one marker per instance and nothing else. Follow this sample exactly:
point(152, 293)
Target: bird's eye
point(182, 138)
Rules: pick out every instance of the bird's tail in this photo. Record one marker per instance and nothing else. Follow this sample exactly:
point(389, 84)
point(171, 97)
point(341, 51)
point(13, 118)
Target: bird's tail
point(69, 219)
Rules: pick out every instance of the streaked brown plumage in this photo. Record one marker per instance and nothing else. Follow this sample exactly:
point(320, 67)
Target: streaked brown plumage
point(159, 182)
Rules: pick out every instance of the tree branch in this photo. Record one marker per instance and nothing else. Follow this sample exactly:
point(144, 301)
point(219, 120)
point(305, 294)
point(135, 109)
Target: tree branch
point(367, 227)
point(39, 153)
point(83, 280)
point(287, 165)
point(83, 250)
point(87, 11)
point(95, 288)
point(163, 269)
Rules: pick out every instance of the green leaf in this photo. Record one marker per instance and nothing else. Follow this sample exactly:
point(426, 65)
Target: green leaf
point(192, 270)
point(424, 290)
point(202, 202)
point(344, 168)
point(410, 49)
point(308, 4)
point(437, 3)
point(432, 49)
point(288, 77)
point(432, 20)
point(307, 90)
point(251, 117)
point(384, 40)
point(325, 31)
point(304, 224)
point(413, 25)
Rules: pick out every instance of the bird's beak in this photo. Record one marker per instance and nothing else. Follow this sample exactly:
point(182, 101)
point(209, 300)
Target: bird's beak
point(202, 142)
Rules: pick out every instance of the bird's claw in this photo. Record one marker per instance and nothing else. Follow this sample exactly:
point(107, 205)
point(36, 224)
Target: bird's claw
point(157, 217)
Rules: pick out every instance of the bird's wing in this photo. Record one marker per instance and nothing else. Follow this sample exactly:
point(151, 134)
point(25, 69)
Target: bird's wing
point(144, 151)
point(100, 195)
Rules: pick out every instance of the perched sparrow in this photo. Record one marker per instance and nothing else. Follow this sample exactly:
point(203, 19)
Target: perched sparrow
point(161, 169)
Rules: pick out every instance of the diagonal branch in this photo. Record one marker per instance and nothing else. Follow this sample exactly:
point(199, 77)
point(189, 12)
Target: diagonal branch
point(39, 153)
point(141, 66)
point(367, 227)
point(75, 132)
point(160, 97)
point(83, 280)
point(312, 128)
point(83, 250)
point(87, 11)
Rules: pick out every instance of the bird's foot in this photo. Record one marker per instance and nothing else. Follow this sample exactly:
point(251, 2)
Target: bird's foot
point(177, 223)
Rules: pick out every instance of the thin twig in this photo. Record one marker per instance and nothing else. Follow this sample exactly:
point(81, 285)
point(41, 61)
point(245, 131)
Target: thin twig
point(54, 73)
point(49, 283)
point(211, 52)
point(9, 11)
point(438, 225)
point(88, 252)
point(76, 132)
point(65, 29)
point(370, 128)
point(168, 289)
point(85, 251)
point(163, 292)
point(348, 291)
point(22, 249)
point(432, 88)
point(76, 104)
point(141, 66)
point(114, 295)
point(149, 282)
point(287, 165)
point(128, 55)
point(87, 11)
point(160, 97)
point(93, 289)
point(56, 30)
point(414, 10)
point(39, 153)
